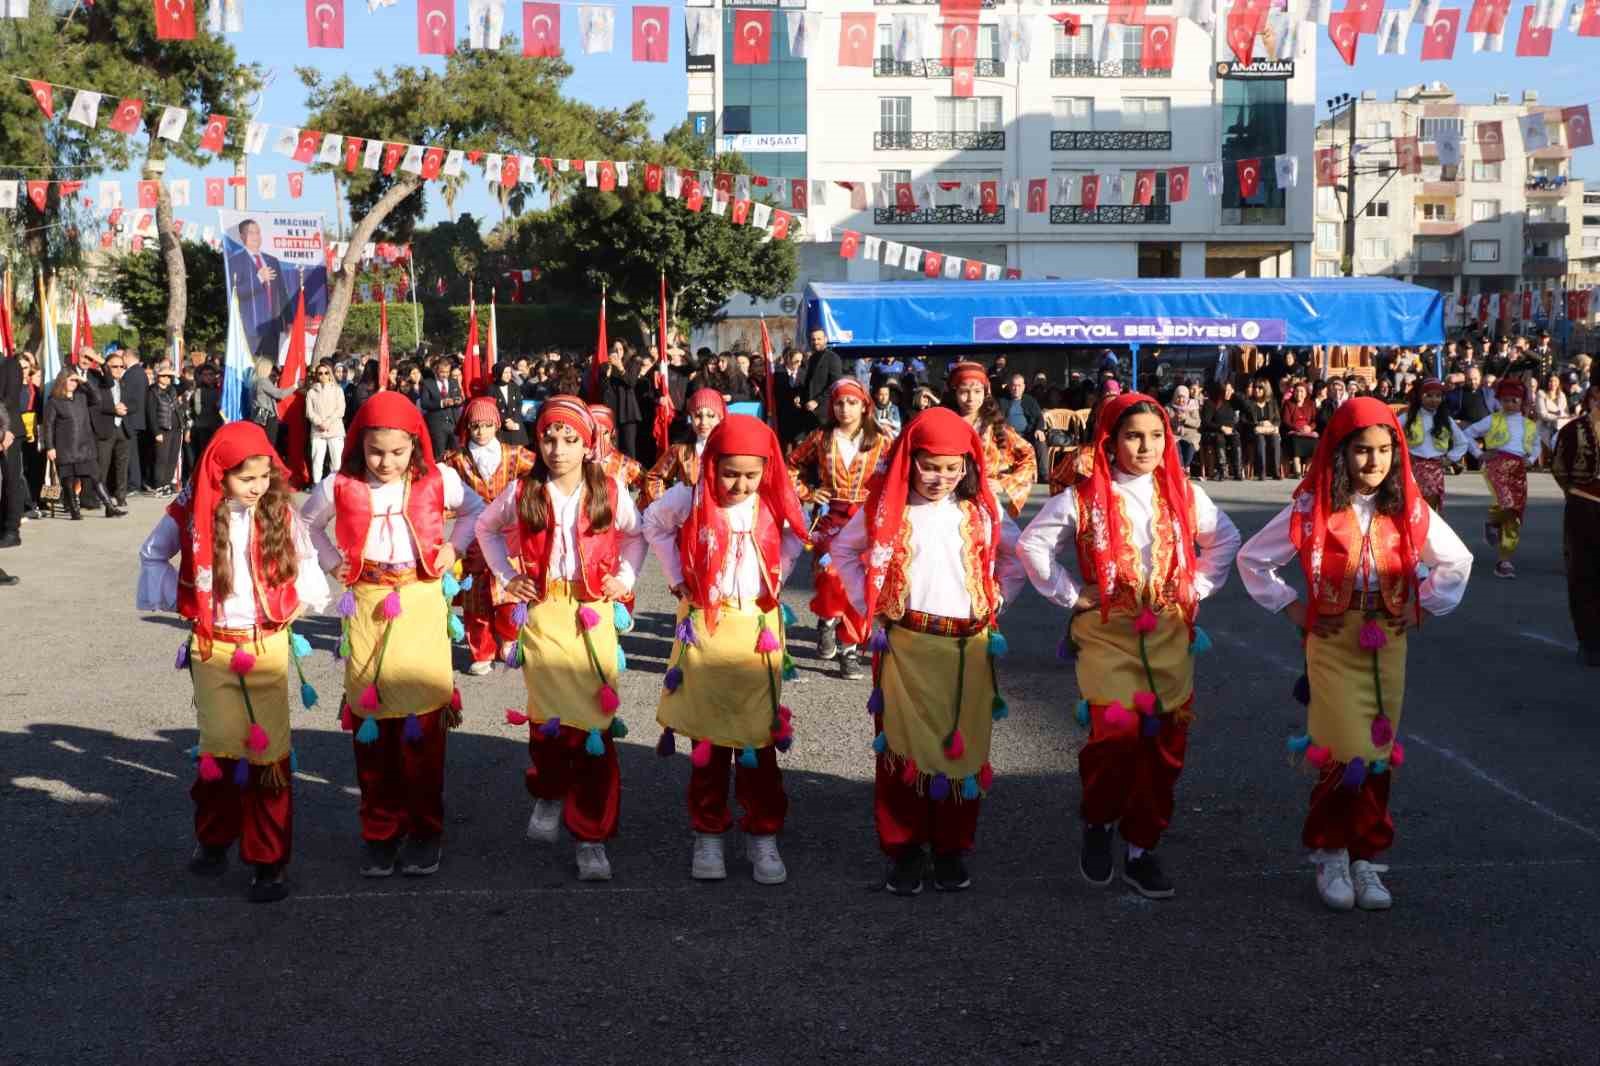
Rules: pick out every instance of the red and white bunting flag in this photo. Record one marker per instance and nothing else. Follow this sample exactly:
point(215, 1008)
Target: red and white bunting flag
point(149, 193)
point(305, 146)
point(849, 244)
point(652, 177)
point(432, 163)
point(651, 41)
point(1491, 141)
point(216, 129)
point(905, 198)
point(1580, 134)
point(752, 37)
point(1089, 191)
point(723, 182)
point(541, 29)
point(1589, 20)
point(694, 198)
point(510, 171)
point(1144, 188)
point(1408, 158)
point(1249, 171)
point(1367, 14)
point(1533, 41)
point(1488, 16)
point(989, 197)
point(174, 20)
point(972, 270)
point(325, 23)
point(1126, 12)
point(1160, 37)
point(353, 150)
point(436, 27)
point(739, 212)
point(797, 194)
point(43, 95)
point(1038, 195)
point(933, 264)
point(1345, 33)
point(1439, 36)
point(297, 183)
point(85, 109)
point(130, 112)
point(1177, 185)
point(958, 43)
point(39, 193)
point(1245, 20)
point(857, 38)
point(606, 177)
point(1327, 163)
point(780, 225)
point(1013, 273)
point(214, 191)
point(392, 154)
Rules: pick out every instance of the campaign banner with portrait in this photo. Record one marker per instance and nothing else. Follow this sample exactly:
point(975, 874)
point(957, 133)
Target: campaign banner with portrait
point(269, 257)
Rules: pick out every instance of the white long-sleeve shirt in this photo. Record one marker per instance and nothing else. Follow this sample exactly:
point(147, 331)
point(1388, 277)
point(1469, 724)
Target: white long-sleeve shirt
point(1429, 448)
point(937, 583)
point(740, 579)
point(1448, 561)
point(1054, 531)
point(1514, 424)
point(500, 518)
point(158, 578)
point(389, 539)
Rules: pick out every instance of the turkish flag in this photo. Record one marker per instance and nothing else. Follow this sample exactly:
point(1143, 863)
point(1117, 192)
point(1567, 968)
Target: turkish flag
point(1505, 307)
point(1488, 16)
point(1531, 40)
point(739, 212)
point(1327, 163)
point(1483, 307)
point(1367, 13)
point(1091, 191)
point(693, 198)
point(324, 23)
point(1177, 185)
point(1580, 134)
point(989, 197)
point(1345, 33)
point(1249, 171)
point(651, 42)
point(972, 270)
point(1491, 142)
point(1160, 35)
point(305, 149)
point(1244, 24)
point(297, 183)
point(130, 113)
point(1572, 305)
point(1070, 24)
point(857, 33)
point(1589, 21)
point(1127, 12)
point(797, 193)
point(352, 153)
point(1013, 273)
point(174, 20)
point(722, 181)
point(1583, 304)
point(39, 193)
point(904, 198)
point(752, 37)
point(149, 193)
point(959, 43)
point(1038, 195)
point(43, 93)
point(215, 130)
point(1406, 155)
point(541, 30)
point(961, 82)
point(114, 218)
point(1439, 36)
point(849, 242)
point(607, 176)
point(933, 264)
point(392, 154)
point(1527, 304)
point(214, 187)
point(1144, 187)
point(432, 163)
point(436, 27)
point(780, 225)
point(510, 170)
point(652, 177)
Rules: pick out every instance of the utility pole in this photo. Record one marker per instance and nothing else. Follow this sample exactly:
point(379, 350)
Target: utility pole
point(1350, 195)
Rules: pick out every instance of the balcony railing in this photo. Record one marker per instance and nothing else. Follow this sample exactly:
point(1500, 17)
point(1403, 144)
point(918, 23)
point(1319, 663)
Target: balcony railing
point(889, 67)
point(981, 68)
point(1536, 218)
point(1110, 215)
point(1541, 183)
point(940, 140)
point(1089, 67)
point(931, 3)
point(1111, 140)
point(946, 215)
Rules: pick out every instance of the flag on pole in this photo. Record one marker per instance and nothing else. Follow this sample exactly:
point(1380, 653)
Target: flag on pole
point(469, 362)
point(769, 401)
point(661, 428)
point(598, 369)
point(491, 350)
point(50, 348)
point(293, 374)
point(383, 338)
point(236, 365)
point(82, 333)
point(8, 345)
point(292, 408)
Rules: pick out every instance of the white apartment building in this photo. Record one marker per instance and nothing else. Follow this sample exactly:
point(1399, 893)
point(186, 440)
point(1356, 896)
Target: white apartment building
point(1061, 110)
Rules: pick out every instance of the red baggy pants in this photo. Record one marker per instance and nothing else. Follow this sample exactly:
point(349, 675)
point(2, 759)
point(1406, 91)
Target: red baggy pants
point(759, 791)
point(1130, 779)
point(907, 819)
point(260, 819)
point(589, 786)
point(402, 783)
point(1354, 819)
point(486, 632)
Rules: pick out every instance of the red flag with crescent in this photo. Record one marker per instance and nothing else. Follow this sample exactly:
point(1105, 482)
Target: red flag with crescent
point(174, 20)
point(652, 177)
point(1327, 163)
point(1439, 36)
point(436, 27)
point(752, 37)
point(780, 225)
point(972, 270)
point(39, 193)
point(214, 191)
point(1345, 33)
point(1533, 41)
point(1159, 35)
point(541, 30)
point(305, 149)
point(1580, 134)
point(1038, 195)
point(904, 198)
point(324, 23)
point(797, 194)
point(1144, 188)
point(1249, 171)
point(1589, 20)
point(43, 95)
point(149, 193)
point(392, 154)
point(1177, 185)
point(849, 243)
point(215, 131)
point(129, 114)
point(1090, 189)
point(739, 212)
point(933, 264)
point(1367, 14)
point(694, 198)
point(432, 163)
point(510, 170)
point(297, 183)
point(1488, 16)
point(857, 34)
point(958, 43)
point(651, 42)
point(989, 197)
point(352, 153)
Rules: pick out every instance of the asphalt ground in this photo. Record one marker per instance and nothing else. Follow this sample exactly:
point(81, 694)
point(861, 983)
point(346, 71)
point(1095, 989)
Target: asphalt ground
point(112, 953)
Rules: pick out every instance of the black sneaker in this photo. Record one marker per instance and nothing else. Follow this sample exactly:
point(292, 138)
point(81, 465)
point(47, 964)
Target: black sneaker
point(270, 883)
point(1095, 861)
point(208, 861)
point(850, 664)
point(950, 873)
point(378, 857)
point(1145, 876)
point(905, 879)
point(827, 640)
point(421, 857)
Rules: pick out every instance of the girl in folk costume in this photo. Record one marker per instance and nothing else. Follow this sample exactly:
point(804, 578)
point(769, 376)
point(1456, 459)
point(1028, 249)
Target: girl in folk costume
point(1360, 528)
point(387, 505)
point(1576, 466)
point(727, 545)
point(486, 465)
point(832, 467)
point(576, 533)
point(1433, 439)
point(930, 559)
point(1511, 445)
point(680, 464)
point(1010, 460)
point(246, 570)
point(625, 469)
point(1150, 546)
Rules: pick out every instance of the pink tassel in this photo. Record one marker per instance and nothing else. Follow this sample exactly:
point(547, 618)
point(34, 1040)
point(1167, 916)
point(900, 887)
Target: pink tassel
point(347, 721)
point(1372, 636)
point(242, 663)
point(257, 738)
point(956, 746)
point(391, 605)
point(1318, 756)
point(588, 617)
point(767, 642)
point(515, 717)
point(1397, 754)
point(785, 715)
point(701, 756)
point(1145, 624)
point(209, 770)
point(908, 773)
point(785, 731)
point(609, 702)
point(1144, 702)
point(986, 777)
point(369, 698)
point(455, 699)
point(1117, 718)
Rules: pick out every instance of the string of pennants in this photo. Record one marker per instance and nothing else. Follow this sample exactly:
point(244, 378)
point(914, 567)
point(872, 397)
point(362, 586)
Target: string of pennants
point(1488, 136)
point(1572, 304)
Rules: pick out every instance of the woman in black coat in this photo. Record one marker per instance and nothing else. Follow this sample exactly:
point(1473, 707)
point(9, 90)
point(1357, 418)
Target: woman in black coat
point(508, 397)
point(67, 436)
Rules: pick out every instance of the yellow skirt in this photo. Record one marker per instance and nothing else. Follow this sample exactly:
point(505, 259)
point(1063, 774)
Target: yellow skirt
point(220, 705)
point(1109, 667)
point(728, 689)
point(416, 675)
point(556, 667)
point(1344, 697)
point(922, 703)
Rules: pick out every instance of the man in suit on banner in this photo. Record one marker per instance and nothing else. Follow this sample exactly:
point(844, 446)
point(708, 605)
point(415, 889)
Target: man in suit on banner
point(261, 288)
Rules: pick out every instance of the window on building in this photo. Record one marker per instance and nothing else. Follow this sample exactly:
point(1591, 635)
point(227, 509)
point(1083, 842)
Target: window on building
point(1146, 113)
point(1432, 172)
point(1485, 251)
point(1132, 49)
point(1430, 128)
point(1074, 112)
point(966, 178)
point(1328, 237)
point(1328, 201)
point(1078, 46)
point(989, 42)
point(1591, 244)
point(1378, 130)
point(1485, 210)
point(979, 114)
point(1157, 199)
point(1377, 209)
point(1255, 120)
point(1541, 250)
point(1375, 248)
point(885, 40)
point(1433, 251)
point(893, 177)
point(1325, 268)
point(1436, 212)
point(736, 119)
point(1482, 171)
point(894, 114)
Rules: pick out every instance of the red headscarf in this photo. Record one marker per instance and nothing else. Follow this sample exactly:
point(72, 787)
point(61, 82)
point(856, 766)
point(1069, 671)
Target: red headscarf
point(195, 511)
point(705, 531)
point(706, 398)
point(391, 410)
point(848, 386)
point(481, 409)
point(960, 372)
point(606, 420)
point(566, 411)
point(1313, 498)
point(1096, 489)
point(937, 431)
point(1427, 385)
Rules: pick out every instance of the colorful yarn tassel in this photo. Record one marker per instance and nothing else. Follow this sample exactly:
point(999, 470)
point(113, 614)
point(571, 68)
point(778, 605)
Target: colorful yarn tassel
point(622, 661)
point(1144, 702)
point(1355, 774)
point(684, 631)
point(969, 787)
point(513, 657)
point(256, 739)
point(588, 617)
point(455, 628)
point(747, 758)
point(1318, 756)
point(193, 752)
point(1302, 690)
point(299, 646)
point(391, 605)
point(1201, 642)
point(294, 761)
point(766, 642)
point(1397, 754)
point(551, 727)
point(368, 733)
point(620, 618)
point(343, 650)
point(908, 773)
point(1380, 766)
point(182, 661)
point(955, 745)
point(1298, 745)
point(308, 695)
point(1145, 623)
point(940, 788)
point(466, 583)
point(998, 646)
point(1064, 649)
point(1118, 718)
point(515, 717)
point(455, 699)
point(347, 605)
point(449, 586)
point(668, 743)
point(784, 743)
point(1382, 731)
point(519, 615)
point(1372, 637)
point(347, 720)
point(787, 614)
point(880, 641)
point(241, 773)
point(369, 698)
point(412, 730)
point(593, 744)
point(790, 672)
point(880, 743)
point(673, 679)
point(209, 770)
point(986, 777)
point(242, 662)
point(875, 702)
point(619, 728)
point(1082, 712)
point(608, 699)
point(701, 755)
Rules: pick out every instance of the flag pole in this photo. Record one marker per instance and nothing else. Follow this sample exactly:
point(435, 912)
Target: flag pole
point(416, 316)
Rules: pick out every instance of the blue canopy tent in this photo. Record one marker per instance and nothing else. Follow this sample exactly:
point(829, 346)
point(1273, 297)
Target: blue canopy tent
point(1164, 312)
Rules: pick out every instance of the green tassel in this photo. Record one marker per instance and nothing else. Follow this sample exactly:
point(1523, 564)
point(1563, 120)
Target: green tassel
point(1000, 709)
point(1083, 713)
point(622, 661)
point(457, 630)
point(619, 728)
point(788, 615)
point(344, 648)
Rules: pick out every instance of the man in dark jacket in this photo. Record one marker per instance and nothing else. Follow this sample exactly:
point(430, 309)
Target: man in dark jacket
point(12, 493)
point(1022, 413)
point(619, 390)
point(141, 450)
point(164, 425)
point(113, 419)
point(823, 368)
point(440, 401)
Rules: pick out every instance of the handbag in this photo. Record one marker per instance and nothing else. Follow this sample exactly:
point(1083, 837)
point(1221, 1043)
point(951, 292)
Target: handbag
point(50, 491)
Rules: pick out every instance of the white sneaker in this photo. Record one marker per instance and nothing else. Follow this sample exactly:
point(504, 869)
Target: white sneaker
point(708, 864)
point(766, 865)
point(544, 825)
point(478, 669)
point(1371, 895)
point(1333, 879)
point(592, 862)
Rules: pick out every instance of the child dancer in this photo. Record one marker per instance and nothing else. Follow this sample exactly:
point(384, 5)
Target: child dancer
point(1576, 466)
point(486, 466)
point(246, 570)
point(727, 545)
point(931, 558)
point(624, 468)
point(580, 548)
point(1511, 441)
point(1010, 460)
point(1150, 546)
point(1433, 438)
point(1359, 528)
point(680, 464)
point(388, 504)
point(832, 467)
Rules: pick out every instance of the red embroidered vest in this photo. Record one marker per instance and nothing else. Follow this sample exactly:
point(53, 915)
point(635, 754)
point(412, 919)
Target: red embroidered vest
point(275, 604)
point(1341, 563)
point(981, 587)
point(597, 552)
point(769, 542)
point(424, 515)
